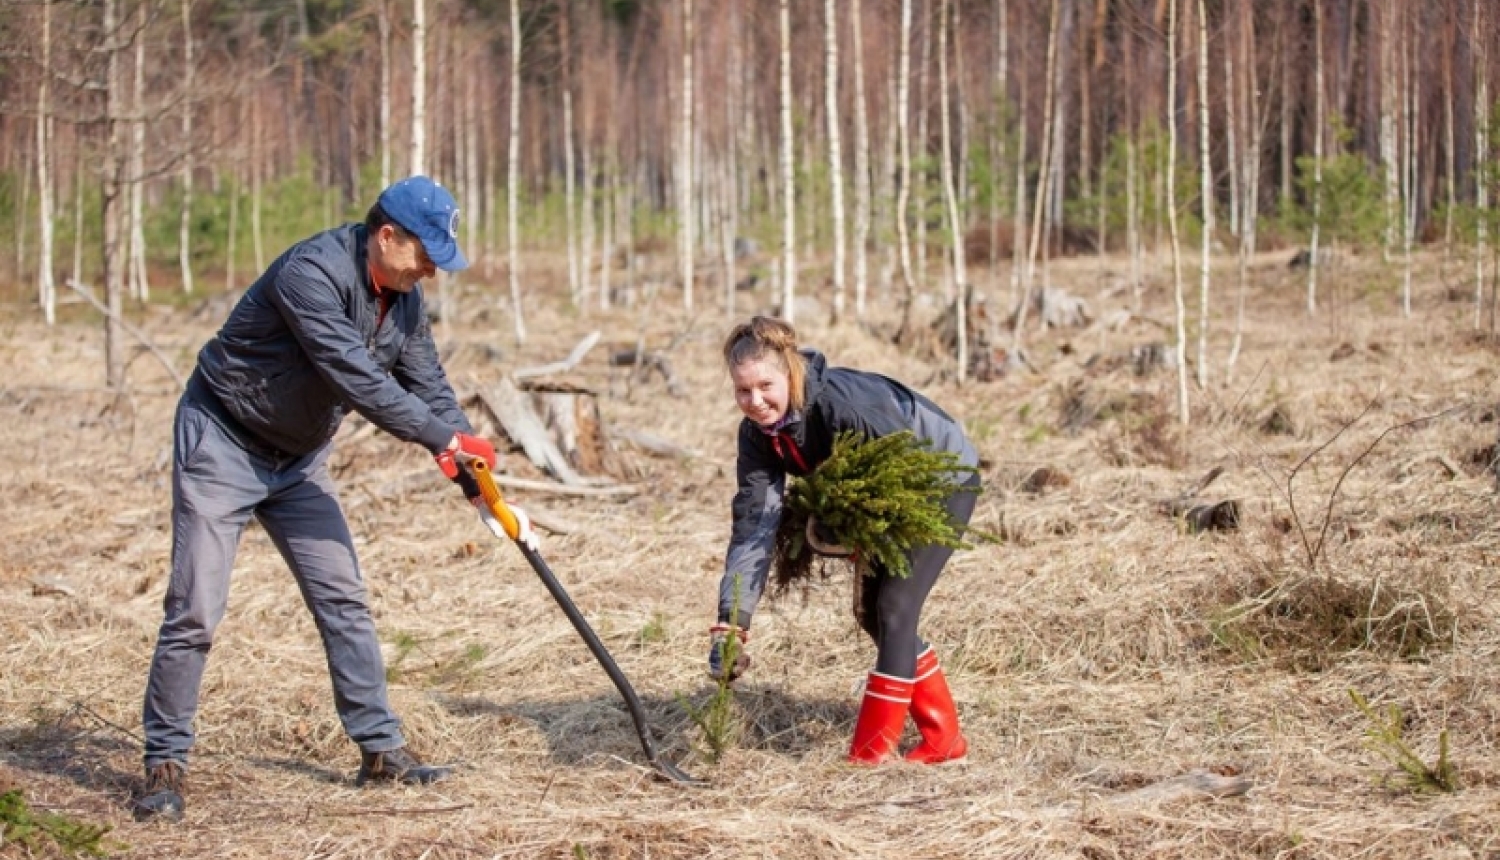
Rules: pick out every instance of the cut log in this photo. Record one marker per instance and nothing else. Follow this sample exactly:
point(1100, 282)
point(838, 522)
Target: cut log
point(571, 415)
point(653, 444)
point(513, 411)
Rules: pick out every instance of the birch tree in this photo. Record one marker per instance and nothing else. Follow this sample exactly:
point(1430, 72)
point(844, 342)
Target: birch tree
point(46, 285)
point(383, 25)
point(110, 202)
point(564, 41)
point(140, 285)
point(835, 150)
point(1249, 170)
point(1481, 157)
point(419, 86)
point(1044, 170)
point(185, 210)
point(513, 176)
point(861, 165)
point(955, 228)
point(1318, 121)
point(903, 158)
point(1171, 205)
point(1206, 194)
point(1388, 110)
point(685, 218)
point(1410, 108)
point(788, 196)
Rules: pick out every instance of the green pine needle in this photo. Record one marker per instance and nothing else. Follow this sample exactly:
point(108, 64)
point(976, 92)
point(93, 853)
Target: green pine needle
point(881, 497)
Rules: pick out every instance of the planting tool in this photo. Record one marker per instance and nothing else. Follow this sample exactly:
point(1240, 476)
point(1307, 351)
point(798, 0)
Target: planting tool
point(500, 520)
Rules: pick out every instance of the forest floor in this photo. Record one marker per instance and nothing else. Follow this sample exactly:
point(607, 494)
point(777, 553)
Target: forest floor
point(1099, 653)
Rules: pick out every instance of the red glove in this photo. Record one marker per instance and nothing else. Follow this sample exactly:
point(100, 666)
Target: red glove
point(464, 446)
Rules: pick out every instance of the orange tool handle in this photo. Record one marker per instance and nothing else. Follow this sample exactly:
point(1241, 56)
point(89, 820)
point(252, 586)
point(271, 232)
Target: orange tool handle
point(490, 492)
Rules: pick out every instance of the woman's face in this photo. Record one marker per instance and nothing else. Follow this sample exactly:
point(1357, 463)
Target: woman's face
point(761, 390)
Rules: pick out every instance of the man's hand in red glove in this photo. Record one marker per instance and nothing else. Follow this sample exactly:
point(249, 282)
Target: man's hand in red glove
point(451, 458)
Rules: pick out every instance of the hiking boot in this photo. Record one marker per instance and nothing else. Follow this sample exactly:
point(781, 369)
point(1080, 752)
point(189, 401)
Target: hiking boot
point(162, 798)
point(397, 765)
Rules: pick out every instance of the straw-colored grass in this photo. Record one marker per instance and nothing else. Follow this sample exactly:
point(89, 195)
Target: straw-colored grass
point(1097, 650)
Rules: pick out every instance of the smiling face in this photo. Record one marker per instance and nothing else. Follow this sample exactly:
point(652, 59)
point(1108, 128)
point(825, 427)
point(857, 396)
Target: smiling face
point(398, 258)
point(761, 389)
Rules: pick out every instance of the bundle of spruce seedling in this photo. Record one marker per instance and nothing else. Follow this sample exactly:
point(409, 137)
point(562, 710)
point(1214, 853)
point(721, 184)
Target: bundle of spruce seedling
point(878, 498)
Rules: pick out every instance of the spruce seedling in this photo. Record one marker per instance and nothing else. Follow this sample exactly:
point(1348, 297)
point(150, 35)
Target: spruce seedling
point(717, 719)
point(1384, 738)
point(19, 825)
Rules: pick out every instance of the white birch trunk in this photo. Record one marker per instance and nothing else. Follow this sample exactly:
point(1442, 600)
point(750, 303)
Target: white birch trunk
point(114, 273)
point(1044, 170)
point(185, 212)
point(419, 86)
point(685, 217)
point(1171, 206)
point(956, 239)
point(1481, 158)
point(1312, 263)
point(861, 166)
point(1409, 170)
point(383, 24)
point(257, 147)
point(513, 177)
point(835, 151)
point(136, 181)
point(788, 223)
point(903, 143)
point(1250, 171)
point(575, 282)
point(1206, 193)
point(45, 283)
point(1389, 94)
point(1231, 134)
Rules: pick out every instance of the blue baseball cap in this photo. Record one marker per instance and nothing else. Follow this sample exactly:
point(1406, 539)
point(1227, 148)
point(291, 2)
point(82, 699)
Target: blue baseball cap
point(426, 210)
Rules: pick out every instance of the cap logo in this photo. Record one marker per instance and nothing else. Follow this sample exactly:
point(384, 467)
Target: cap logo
point(453, 224)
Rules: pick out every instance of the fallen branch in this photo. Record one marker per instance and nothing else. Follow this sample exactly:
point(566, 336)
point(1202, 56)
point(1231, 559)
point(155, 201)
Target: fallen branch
point(1195, 785)
point(653, 444)
point(129, 329)
point(579, 351)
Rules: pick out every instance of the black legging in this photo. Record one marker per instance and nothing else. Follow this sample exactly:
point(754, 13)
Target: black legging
point(893, 605)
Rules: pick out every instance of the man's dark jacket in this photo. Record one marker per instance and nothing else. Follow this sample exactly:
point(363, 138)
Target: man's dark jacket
point(302, 348)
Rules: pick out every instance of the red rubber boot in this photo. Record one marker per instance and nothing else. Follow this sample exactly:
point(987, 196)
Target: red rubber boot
point(936, 717)
point(882, 716)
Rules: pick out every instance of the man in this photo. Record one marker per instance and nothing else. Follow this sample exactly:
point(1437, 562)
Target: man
point(335, 324)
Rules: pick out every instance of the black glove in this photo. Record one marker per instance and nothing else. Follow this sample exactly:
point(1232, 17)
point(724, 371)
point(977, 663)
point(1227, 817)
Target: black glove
point(721, 637)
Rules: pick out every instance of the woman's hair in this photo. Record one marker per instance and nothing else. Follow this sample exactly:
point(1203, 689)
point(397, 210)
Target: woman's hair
point(769, 339)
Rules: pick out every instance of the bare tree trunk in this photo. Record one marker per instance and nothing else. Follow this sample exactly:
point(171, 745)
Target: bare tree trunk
point(1450, 162)
point(1206, 193)
point(564, 37)
point(1286, 112)
point(419, 86)
point(513, 178)
point(1250, 170)
point(45, 282)
point(1171, 204)
point(861, 166)
point(383, 24)
point(1412, 105)
point(903, 191)
point(231, 241)
point(1020, 238)
point(257, 167)
point(1481, 158)
point(1231, 132)
point(1388, 111)
point(1318, 120)
point(140, 285)
point(185, 212)
point(114, 274)
point(999, 139)
point(955, 228)
point(685, 160)
point(789, 222)
point(835, 152)
point(1044, 169)
point(77, 268)
point(474, 189)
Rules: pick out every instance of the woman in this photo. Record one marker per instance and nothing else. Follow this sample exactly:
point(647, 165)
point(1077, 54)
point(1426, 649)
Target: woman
point(794, 406)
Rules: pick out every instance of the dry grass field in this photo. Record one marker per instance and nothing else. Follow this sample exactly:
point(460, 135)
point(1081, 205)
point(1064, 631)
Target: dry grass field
point(1099, 652)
